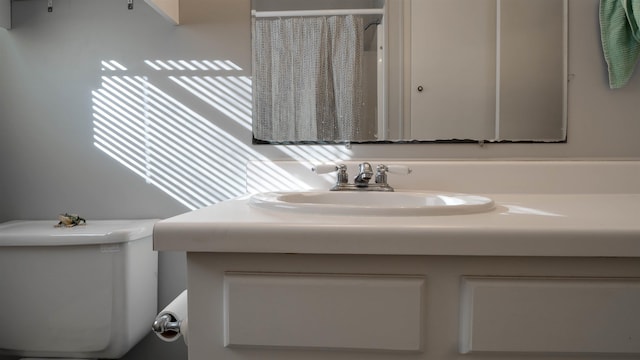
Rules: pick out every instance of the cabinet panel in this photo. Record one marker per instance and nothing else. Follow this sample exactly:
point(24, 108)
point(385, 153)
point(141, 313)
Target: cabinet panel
point(550, 315)
point(323, 311)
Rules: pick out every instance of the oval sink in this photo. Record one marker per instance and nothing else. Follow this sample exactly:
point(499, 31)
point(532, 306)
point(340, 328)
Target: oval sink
point(373, 203)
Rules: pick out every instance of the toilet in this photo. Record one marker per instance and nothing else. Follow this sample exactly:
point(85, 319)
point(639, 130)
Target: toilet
point(82, 292)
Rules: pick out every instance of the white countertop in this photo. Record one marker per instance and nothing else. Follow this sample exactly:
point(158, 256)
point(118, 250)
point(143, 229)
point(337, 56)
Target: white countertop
point(596, 225)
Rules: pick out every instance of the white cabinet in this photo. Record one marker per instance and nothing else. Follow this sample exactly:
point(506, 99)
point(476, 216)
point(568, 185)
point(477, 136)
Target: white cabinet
point(169, 9)
point(550, 315)
point(5, 14)
point(323, 311)
point(326, 307)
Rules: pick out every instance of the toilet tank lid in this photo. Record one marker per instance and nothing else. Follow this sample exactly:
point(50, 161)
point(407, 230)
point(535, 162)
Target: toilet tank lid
point(43, 232)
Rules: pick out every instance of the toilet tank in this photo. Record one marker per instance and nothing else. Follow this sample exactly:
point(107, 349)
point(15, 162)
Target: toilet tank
point(86, 291)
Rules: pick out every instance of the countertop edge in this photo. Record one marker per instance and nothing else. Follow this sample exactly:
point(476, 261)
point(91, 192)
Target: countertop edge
point(531, 225)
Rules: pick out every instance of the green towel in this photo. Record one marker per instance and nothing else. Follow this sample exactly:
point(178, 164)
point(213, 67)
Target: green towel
point(619, 20)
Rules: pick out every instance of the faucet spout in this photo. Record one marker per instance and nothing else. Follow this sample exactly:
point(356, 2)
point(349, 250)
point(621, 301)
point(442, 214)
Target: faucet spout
point(365, 173)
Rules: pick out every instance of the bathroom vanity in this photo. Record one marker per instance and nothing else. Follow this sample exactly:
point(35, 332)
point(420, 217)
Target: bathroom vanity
point(551, 272)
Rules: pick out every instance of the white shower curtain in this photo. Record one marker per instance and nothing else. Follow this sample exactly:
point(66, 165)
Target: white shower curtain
point(307, 78)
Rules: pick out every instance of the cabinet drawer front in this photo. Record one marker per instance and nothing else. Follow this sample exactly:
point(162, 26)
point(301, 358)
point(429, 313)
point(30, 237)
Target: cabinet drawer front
point(563, 315)
point(323, 311)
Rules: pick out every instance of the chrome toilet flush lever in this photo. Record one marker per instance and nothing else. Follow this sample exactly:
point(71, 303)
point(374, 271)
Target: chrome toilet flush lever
point(361, 182)
point(166, 323)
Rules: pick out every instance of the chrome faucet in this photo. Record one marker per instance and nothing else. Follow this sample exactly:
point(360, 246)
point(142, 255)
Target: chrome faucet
point(365, 173)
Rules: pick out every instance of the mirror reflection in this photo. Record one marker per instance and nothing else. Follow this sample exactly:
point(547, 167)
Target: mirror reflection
point(329, 71)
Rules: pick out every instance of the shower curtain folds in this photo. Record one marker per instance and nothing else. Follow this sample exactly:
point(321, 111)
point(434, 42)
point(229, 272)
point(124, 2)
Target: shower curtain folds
point(307, 78)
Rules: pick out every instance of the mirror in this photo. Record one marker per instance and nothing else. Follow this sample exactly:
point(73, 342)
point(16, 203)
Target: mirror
point(361, 71)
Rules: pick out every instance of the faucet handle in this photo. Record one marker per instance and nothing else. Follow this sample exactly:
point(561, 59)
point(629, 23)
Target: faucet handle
point(325, 168)
point(342, 177)
point(398, 169)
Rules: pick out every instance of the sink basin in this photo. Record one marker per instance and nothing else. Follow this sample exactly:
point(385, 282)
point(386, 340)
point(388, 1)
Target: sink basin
point(373, 203)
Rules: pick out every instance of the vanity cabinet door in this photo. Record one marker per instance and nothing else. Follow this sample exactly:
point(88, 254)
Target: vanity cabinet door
point(280, 310)
point(550, 315)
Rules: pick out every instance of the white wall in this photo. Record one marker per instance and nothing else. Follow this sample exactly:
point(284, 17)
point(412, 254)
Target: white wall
point(50, 63)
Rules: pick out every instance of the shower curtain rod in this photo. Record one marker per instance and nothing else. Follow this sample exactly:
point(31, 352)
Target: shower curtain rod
point(327, 12)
